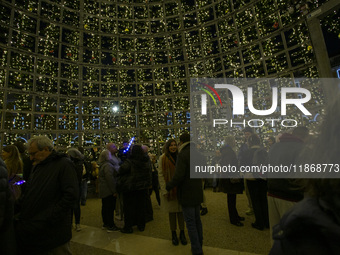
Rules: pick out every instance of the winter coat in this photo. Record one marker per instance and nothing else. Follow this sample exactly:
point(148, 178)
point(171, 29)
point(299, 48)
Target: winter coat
point(189, 191)
point(44, 220)
point(311, 227)
point(7, 239)
point(107, 179)
point(134, 175)
point(166, 205)
point(230, 185)
point(285, 152)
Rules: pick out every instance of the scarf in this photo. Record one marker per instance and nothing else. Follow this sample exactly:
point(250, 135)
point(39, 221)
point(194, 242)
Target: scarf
point(168, 168)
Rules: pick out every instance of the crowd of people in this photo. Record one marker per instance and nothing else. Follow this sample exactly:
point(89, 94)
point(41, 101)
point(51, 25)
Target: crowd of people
point(41, 189)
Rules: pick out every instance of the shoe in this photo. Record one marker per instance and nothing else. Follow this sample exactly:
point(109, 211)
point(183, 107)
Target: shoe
point(250, 212)
point(174, 238)
point(237, 223)
point(112, 229)
point(204, 211)
point(78, 228)
point(127, 230)
point(241, 218)
point(254, 225)
point(141, 228)
point(182, 238)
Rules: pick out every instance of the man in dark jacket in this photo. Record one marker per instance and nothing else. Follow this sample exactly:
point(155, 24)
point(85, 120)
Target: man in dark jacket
point(7, 240)
point(44, 221)
point(189, 192)
point(284, 193)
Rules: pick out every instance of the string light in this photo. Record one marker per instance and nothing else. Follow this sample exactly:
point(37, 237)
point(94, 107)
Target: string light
point(130, 143)
point(140, 56)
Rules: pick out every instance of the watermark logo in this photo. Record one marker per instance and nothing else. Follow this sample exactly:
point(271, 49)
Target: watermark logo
point(204, 96)
point(239, 99)
point(268, 106)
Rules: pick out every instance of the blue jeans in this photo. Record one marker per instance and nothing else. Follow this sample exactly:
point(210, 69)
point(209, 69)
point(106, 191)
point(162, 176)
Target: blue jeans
point(83, 192)
point(194, 225)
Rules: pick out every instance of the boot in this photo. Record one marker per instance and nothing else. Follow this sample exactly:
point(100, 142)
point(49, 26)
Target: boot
point(182, 238)
point(174, 238)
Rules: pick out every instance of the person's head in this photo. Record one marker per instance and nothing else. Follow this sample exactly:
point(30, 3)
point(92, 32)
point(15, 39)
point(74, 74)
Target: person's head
point(185, 137)
point(21, 146)
point(39, 148)
point(322, 188)
point(105, 155)
point(112, 148)
point(170, 146)
point(254, 140)
point(325, 148)
point(230, 140)
point(247, 133)
point(137, 153)
point(301, 132)
point(125, 145)
point(152, 157)
point(271, 140)
point(145, 148)
point(9, 152)
point(11, 156)
point(73, 153)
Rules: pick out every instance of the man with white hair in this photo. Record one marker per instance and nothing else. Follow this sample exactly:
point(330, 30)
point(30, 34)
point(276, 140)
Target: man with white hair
point(45, 209)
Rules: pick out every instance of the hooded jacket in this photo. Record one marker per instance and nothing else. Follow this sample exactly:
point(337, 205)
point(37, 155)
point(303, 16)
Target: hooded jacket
point(44, 220)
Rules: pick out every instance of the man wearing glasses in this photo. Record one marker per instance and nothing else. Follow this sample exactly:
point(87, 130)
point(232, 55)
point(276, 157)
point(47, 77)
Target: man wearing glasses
point(44, 221)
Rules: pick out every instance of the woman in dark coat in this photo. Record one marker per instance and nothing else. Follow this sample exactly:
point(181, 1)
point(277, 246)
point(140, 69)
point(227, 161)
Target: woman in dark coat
point(231, 186)
point(134, 180)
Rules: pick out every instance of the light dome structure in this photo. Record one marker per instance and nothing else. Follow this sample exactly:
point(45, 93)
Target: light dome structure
point(66, 64)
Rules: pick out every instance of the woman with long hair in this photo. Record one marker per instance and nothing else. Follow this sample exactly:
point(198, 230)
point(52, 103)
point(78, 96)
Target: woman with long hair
point(11, 156)
point(12, 159)
point(169, 202)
